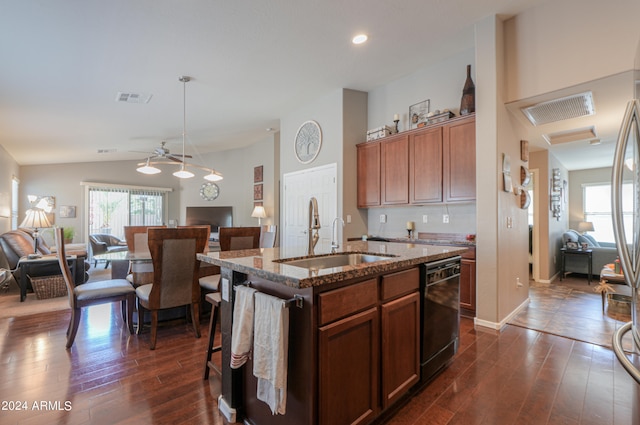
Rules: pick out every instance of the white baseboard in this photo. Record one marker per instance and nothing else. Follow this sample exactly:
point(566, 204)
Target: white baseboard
point(499, 325)
point(227, 411)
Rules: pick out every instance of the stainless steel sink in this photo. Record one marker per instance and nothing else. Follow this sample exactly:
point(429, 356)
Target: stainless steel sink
point(334, 260)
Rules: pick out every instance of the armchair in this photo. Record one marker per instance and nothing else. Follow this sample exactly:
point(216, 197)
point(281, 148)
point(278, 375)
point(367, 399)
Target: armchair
point(602, 253)
point(102, 243)
point(16, 244)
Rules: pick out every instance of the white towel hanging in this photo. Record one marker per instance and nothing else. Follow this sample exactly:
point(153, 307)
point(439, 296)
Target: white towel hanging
point(270, 349)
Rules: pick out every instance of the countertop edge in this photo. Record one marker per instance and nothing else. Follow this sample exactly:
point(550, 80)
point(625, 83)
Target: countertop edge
point(345, 273)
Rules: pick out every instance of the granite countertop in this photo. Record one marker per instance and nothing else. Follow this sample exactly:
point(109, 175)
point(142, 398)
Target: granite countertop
point(260, 262)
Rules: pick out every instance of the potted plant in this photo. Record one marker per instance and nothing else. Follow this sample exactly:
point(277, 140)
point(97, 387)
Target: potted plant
point(69, 233)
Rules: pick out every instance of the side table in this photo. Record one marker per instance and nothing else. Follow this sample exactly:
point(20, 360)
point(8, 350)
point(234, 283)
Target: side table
point(26, 264)
point(588, 253)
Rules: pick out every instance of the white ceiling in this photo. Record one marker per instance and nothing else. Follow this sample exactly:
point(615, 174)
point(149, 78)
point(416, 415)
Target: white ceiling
point(252, 61)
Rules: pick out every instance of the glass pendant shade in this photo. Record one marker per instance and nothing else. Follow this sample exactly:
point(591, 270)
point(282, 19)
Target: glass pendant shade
point(148, 169)
point(183, 173)
point(213, 176)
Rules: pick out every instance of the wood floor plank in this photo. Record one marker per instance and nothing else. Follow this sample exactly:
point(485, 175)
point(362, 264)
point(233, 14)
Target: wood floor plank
point(515, 376)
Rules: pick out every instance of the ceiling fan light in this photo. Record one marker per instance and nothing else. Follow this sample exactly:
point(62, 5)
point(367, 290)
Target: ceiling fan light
point(183, 173)
point(148, 169)
point(214, 176)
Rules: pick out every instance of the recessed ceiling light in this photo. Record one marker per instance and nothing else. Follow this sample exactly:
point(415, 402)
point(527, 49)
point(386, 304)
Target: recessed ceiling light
point(359, 39)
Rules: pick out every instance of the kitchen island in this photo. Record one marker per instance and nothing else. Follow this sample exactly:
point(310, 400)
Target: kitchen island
point(354, 331)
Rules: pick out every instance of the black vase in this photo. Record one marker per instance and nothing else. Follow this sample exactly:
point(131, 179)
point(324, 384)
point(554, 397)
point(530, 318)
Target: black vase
point(468, 102)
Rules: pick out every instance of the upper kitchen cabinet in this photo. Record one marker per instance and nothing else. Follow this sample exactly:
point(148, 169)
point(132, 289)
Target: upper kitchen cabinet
point(368, 175)
point(425, 166)
point(459, 159)
point(433, 164)
point(395, 173)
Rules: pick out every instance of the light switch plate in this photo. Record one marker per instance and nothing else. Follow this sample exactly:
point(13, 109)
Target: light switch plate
point(383, 218)
point(424, 218)
point(225, 289)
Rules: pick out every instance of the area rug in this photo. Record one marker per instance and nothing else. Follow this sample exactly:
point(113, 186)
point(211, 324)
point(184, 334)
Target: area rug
point(10, 305)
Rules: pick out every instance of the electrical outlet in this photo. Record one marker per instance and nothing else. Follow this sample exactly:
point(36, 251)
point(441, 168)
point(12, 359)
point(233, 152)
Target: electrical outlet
point(383, 218)
point(445, 218)
point(518, 283)
point(424, 218)
point(509, 222)
point(348, 218)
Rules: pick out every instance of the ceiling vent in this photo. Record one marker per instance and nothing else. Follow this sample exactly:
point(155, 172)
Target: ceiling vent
point(578, 105)
point(133, 97)
point(588, 133)
point(106, 150)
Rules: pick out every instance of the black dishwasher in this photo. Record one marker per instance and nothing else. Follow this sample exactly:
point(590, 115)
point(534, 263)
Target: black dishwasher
point(440, 314)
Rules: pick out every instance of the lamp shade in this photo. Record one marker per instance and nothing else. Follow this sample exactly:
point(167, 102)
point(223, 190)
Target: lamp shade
point(585, 226)
point(35, 219)
point(259, 212)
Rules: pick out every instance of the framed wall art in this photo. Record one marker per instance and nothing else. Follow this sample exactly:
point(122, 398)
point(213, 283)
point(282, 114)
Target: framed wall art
point(257, 174)
point(67, 211)
point(418, 113)
point(257, 192)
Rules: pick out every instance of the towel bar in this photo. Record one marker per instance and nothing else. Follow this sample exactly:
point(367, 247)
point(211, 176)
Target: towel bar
point(298, 300)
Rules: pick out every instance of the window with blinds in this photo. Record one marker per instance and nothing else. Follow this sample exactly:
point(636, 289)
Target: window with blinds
point(112, 208)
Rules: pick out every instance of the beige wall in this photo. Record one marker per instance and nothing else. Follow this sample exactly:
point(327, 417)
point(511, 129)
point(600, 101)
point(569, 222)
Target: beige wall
point(563, 43)
point(342, 117)
point(236, 189)
point(63, 182)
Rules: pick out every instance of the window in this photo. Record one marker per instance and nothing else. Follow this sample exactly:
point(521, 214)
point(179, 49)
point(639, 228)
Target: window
point(15, 185)
point(113, 207)
point(597, 209)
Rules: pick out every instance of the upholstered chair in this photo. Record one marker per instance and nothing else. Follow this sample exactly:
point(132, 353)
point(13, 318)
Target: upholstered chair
point(92, 293)
point(137, 243)
point(231, 238)
point(175, 275)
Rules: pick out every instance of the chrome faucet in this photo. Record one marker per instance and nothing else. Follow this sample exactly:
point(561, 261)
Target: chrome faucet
point(335, 242)
point(314, 224)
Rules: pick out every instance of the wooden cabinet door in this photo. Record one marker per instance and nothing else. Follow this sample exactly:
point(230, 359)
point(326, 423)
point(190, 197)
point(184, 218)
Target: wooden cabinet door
point(459, 175)
point(468, 287)
point(348, 369)
point(400, 347)
point(368, 175)
point(425, 166)
point(395, 170)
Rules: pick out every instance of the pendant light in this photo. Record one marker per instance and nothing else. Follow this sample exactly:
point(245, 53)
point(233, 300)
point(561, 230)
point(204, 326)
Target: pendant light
point(183, 173)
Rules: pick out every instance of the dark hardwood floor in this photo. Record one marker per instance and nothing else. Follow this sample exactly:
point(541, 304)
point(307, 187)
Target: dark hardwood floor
point(517, 376)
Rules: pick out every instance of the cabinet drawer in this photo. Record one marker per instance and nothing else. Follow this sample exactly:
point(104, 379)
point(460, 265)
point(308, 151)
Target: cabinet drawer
point(339, 303)
point(400, 283)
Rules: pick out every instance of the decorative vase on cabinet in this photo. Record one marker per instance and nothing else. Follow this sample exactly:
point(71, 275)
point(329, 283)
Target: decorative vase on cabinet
point(468, 102)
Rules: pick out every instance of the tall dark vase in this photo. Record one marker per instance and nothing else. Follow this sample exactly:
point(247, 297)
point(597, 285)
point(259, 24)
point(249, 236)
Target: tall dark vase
point(468, 102)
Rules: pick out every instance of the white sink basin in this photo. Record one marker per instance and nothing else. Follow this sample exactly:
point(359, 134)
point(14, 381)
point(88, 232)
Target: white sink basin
point(334, 260)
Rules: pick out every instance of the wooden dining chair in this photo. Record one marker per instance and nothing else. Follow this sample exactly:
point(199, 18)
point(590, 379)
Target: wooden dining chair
point(92, 293)
point(231, 238)
point(175, 275)
point(137, 242)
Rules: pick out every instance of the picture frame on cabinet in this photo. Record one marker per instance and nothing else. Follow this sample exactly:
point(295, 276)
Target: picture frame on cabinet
point(418, 113)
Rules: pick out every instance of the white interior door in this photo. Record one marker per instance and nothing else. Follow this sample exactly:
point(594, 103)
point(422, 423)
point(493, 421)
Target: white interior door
point(298, 188)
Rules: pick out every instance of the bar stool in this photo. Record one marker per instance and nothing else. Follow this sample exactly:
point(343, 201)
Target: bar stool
point(214, 299)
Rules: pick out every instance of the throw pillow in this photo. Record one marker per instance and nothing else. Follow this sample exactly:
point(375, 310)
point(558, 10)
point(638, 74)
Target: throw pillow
point(590, 240)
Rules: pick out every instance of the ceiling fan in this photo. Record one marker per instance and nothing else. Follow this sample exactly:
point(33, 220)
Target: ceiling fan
point(162, 152)
point(162, 155)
